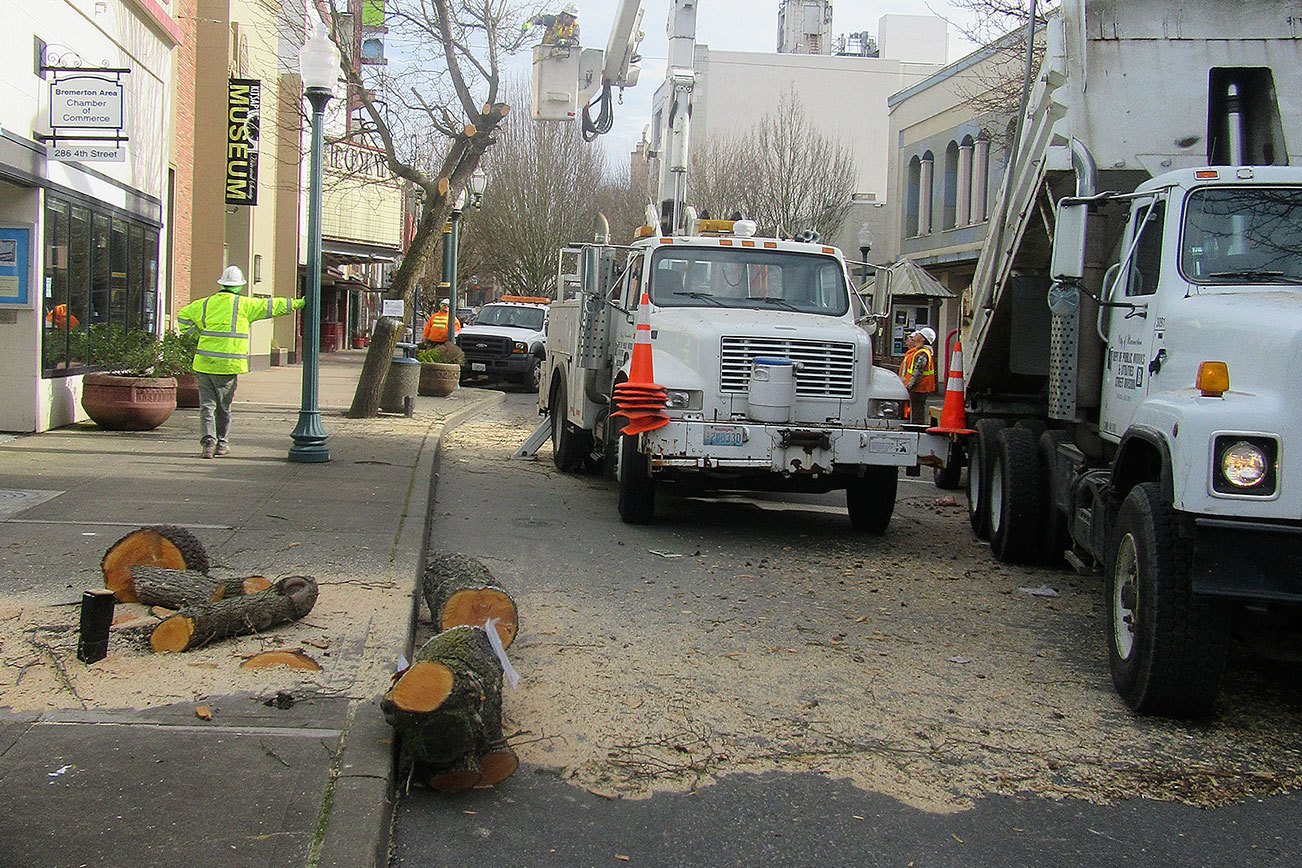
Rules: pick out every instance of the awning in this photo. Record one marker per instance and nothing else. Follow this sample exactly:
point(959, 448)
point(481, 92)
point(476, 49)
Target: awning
point(910, 279)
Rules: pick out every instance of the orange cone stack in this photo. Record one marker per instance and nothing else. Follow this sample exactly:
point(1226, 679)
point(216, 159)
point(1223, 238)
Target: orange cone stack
point(640, 400)
point(953, 418)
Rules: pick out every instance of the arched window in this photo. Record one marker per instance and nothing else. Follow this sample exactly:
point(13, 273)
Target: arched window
point(925, 174)
point(911, 198)
point(949, 188)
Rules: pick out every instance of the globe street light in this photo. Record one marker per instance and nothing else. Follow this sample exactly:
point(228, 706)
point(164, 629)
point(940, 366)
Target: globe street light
point(318, 63)
point(865, 246)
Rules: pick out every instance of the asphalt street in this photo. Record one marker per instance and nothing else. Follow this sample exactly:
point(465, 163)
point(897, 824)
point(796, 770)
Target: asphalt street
point(545, 531)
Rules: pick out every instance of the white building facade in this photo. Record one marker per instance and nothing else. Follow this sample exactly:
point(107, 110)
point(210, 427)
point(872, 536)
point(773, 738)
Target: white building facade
point(82, 236)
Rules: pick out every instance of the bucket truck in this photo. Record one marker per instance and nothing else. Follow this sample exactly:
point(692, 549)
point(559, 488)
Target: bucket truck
point(769, 379)
point(1134, 331)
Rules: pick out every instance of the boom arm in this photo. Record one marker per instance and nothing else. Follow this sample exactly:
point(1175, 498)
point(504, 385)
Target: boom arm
point(621, 62)
point(682, 81)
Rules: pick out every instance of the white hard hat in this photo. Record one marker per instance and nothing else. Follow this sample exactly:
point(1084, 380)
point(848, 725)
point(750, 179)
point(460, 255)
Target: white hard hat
point(232, 276)
point(571, 9)
point(445, 302)
point(928, 334)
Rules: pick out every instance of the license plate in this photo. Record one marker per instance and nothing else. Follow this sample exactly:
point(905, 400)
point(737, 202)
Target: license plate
point(724, 436)
point(478, 366)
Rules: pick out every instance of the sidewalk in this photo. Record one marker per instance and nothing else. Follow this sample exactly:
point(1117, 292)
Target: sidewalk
point(109, 764)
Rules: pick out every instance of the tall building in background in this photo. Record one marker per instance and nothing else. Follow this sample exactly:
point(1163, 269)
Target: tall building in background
point(805, 27)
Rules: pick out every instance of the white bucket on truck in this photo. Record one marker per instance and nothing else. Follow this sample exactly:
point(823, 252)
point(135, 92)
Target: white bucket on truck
point(772, 389)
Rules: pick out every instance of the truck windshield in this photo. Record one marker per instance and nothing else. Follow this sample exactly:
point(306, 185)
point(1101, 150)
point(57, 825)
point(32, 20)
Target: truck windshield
point(510, 316)
point(1243, 235)
point(745, 278)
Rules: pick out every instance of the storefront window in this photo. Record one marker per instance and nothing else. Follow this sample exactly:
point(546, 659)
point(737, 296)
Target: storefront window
point(100, 270)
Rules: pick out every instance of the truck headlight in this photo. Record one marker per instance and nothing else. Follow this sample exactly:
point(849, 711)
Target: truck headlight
point(883, 409)
point(520, 348)
point(683, 399)
point(1245, 465)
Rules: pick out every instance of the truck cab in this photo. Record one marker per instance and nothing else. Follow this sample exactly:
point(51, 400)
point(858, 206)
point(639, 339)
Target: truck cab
point(508, 340)
point(732, 317)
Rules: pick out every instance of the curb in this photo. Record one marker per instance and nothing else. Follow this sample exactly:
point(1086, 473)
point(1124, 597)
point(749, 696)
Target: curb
point(357, 811)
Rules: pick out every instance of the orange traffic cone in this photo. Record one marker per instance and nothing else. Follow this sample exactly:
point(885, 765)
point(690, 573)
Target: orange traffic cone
point(640, 399)
point(953, 419)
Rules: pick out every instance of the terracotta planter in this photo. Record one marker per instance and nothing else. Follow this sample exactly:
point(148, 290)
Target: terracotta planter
point(361, 343)
point(438, 380)
point(128, 403)
point(187, 391)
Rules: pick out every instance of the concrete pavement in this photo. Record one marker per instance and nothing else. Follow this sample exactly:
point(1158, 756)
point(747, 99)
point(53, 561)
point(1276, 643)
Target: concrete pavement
point(110, 764)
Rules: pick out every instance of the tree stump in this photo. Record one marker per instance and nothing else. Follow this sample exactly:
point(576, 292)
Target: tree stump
point(198, 624)
point(447, 710)
point(176, 588)
point(166, 546)
point(460, 590)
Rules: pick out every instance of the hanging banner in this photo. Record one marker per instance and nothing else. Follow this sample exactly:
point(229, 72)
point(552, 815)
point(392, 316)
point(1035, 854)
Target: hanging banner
point(243, 118)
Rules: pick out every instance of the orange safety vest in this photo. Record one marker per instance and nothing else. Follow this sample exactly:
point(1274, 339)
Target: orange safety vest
point(907, 367)
point(59, 317)
point(436, 327)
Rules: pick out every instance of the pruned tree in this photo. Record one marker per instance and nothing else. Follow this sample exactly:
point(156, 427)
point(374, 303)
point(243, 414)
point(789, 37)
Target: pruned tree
point(792, 177)
point(543, 191)
point(434, 112)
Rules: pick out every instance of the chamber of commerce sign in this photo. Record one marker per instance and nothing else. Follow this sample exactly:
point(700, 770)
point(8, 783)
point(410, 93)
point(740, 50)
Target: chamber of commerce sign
point(86, 102)
point(243, 118)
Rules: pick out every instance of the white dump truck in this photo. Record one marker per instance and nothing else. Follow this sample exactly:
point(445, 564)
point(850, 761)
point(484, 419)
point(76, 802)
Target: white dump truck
point(1133, 349)
point(770, 381)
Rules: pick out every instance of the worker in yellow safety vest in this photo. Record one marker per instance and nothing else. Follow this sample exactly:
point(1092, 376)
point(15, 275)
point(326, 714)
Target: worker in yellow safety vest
point(436, 327)
point(918, 371)
point(562, 28)
point(222, 321)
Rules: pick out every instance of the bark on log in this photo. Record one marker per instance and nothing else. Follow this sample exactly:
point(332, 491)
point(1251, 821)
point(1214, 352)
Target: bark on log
point(176, 588)
point(166, 546)
point(194, 626)
point(447, 711)
point(366, 399)
point(460, 590)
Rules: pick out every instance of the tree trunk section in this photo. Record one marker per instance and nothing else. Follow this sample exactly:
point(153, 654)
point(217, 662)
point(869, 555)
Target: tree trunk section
point(174, 589)
point(447, 711)
point(366, 400)
point(460, 590)
point(196, 625)
point(165, 546)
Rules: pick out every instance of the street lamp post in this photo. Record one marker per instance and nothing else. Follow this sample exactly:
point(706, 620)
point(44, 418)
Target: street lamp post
point(319, 65)
point(865, 247)
point(452, 243)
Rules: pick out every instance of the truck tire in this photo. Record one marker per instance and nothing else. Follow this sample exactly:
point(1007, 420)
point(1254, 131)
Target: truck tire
point(1167, 647)
point(533, 380)
point(980, 450)
point(950, 477)
point(1015, 492)
point(570, 445)
point(637, 489)
point(1054, 536)
point(870, 499)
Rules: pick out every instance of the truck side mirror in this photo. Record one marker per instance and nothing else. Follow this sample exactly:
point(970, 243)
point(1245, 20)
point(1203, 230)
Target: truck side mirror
point(881, 297)
point(1068, 263)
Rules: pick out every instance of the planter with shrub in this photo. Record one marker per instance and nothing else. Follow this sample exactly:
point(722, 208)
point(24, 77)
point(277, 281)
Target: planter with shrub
point(440, 370)
point(128, 394)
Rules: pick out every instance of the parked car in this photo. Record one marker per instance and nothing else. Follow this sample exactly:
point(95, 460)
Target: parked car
point(508, 340)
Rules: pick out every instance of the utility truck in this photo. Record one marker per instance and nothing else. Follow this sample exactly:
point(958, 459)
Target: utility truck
point(770, 383)
point(1134, 331)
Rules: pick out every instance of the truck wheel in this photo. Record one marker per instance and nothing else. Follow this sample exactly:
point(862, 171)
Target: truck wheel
point(980, 450)
point(533, 379)
point(1015, 497)
point(1054, 536)
point(570, 445)
point(870, 499)
point(1166, 646)
point(949, 477)
point(637, 490)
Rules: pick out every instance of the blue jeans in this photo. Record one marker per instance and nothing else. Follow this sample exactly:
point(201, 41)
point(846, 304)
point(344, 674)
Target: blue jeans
point(216, 391)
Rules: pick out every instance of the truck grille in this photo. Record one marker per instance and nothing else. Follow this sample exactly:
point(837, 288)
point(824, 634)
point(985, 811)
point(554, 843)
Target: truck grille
point(826, 368)
point(485, 346)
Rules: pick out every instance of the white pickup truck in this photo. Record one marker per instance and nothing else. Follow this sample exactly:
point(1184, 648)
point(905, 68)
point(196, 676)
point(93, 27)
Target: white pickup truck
point(507, 341)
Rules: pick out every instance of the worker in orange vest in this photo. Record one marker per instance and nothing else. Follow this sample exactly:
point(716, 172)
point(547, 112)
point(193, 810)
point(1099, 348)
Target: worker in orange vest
point(918, 371)
point(60, 317)
point(436, 327)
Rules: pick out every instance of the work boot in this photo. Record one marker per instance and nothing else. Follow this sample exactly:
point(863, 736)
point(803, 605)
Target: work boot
point(209, 450)
point(223, 449)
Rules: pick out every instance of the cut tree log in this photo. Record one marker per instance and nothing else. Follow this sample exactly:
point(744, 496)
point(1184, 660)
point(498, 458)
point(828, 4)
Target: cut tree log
point(166, 546)
point(447, 710)
point(196, 625)
point(155, 586)
point(460, 590)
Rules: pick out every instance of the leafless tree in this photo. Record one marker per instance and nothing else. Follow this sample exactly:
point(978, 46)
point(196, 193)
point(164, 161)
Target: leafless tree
point(542, 193)
point(782, 173)
point(433, 110)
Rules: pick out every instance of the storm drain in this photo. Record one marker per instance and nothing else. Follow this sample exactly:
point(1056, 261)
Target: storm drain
point(14, 500)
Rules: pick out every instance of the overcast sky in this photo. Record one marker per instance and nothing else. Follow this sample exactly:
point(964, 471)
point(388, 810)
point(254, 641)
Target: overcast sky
point(729, 25)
